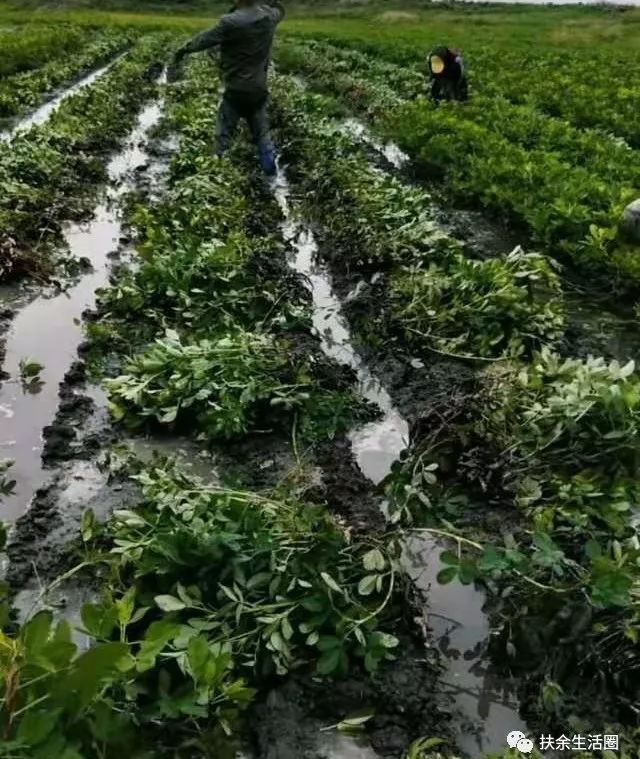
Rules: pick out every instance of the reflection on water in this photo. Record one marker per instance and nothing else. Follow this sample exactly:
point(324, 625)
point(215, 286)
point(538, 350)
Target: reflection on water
point(461, 632)
point(49, 330)
point(376, 445)
point(487, 708)
point(396, 157)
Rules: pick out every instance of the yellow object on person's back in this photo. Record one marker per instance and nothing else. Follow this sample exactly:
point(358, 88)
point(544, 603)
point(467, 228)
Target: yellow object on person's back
point(437, 64)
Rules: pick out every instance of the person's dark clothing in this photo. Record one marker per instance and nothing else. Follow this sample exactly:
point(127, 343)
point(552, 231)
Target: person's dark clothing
point(238, 105)
point(451, 83)
point(245, 38)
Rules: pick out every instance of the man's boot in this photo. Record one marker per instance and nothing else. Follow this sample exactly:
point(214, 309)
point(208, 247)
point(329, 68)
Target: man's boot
point(268, 161)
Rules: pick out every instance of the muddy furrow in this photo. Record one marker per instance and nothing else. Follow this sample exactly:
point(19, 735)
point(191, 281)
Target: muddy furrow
point(42, 114)
point(486, 704)
point(458, 626)
point(49, 330)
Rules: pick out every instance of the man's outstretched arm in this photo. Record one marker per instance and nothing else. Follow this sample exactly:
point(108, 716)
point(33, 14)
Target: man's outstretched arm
point(203, 41)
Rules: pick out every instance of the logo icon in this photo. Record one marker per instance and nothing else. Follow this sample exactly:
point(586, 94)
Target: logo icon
point(517, 739)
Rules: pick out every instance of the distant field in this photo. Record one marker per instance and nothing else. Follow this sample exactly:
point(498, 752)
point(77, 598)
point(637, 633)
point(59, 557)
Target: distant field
point(512, 27)
point(384, 23)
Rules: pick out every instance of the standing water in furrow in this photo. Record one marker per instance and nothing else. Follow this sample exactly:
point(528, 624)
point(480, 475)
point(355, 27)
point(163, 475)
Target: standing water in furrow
point(487, 708)
point(390, 151)
point(41, 114)
point(49, 330)
point(377, 445)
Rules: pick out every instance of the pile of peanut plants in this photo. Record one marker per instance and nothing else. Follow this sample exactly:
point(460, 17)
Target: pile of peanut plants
point(209, 592)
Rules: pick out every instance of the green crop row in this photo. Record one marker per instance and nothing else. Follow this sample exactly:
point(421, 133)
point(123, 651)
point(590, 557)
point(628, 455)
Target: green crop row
point(30, 46)
point(48, 173)
point(209, 592)
point(610, 159)
point(573, 210)
point(24, 91)
point(588, 88)
point(533, 472)
point(439, 299)
point(594, 90)
point(230, 365)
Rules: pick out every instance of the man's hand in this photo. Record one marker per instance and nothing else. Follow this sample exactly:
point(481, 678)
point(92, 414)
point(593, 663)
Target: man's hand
point(173, 69)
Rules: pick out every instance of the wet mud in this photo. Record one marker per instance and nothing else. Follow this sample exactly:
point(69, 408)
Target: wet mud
point(297, 720)
point(408, 392)
point(347, 490)
point(595, 329)
point(426, 393)
point(80, 428)
point(44, 542)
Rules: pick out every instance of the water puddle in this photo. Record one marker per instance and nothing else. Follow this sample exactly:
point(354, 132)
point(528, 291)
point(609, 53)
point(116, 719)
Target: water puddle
point(40, 115)
point(390, 151)
point(49, 330)
point(598, 327)
point(486, 707)
point(460, 631)
point(333, 745)
point(65, 603)
point(190, 457)
point(377, 445)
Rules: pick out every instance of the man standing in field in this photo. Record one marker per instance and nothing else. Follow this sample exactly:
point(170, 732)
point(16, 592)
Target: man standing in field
point(245, 36)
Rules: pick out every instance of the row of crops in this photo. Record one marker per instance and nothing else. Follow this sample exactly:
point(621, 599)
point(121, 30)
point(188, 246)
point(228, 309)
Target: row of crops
point(50, 171)
point(563, 185)
point(529, 439)
point(590, 87)
point(523, 460)
point(28, 48)
point(23, 91)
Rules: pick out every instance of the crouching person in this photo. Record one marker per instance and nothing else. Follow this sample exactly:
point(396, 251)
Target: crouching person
point(446, 75)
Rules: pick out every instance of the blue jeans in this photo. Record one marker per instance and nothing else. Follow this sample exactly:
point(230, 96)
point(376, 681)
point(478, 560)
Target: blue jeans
point(251, 106)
